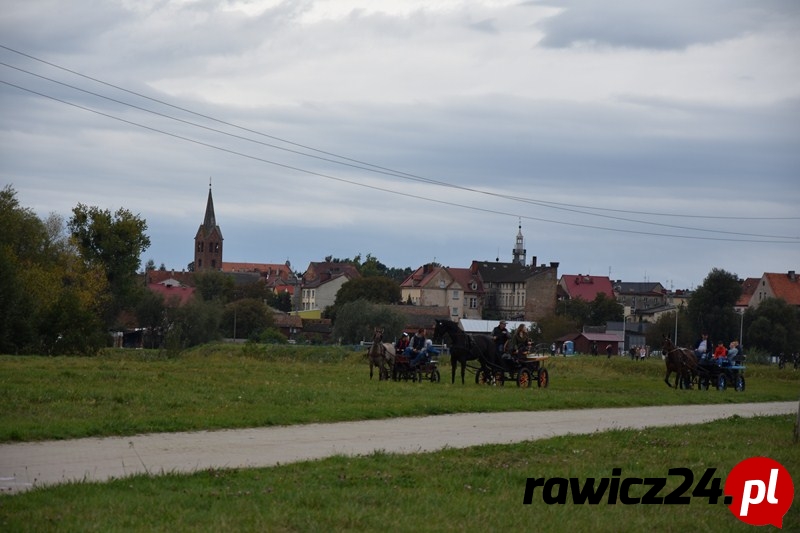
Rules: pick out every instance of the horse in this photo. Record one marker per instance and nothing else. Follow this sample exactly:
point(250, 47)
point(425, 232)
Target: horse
point(682, 361)
point(465, 347)
point(379, 356)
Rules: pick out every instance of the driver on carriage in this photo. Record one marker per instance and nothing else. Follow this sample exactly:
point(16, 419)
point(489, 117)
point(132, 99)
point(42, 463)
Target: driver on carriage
point(500, 336)
point(417, 345)
point(703, 348)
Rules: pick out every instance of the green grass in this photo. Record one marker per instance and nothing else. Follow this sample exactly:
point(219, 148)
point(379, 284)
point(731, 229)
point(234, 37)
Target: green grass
point(477, 489)
point(227, 386)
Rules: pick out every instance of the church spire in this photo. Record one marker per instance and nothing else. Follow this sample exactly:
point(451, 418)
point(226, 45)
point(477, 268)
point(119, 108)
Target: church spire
point(519, 250)
point(210, 220)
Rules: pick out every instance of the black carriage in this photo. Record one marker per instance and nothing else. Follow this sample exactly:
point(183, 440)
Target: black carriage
point(719, 374)
point(525, 370)
point(428, 370)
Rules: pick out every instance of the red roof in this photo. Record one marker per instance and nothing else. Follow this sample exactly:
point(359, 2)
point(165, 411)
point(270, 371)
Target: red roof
point(176, 296)
point(785, 286)
point(280, 270)
point(586, 287)
point(465, 278)
point(749, 287)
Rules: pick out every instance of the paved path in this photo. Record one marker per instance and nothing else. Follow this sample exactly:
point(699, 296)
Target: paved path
point(24, 465)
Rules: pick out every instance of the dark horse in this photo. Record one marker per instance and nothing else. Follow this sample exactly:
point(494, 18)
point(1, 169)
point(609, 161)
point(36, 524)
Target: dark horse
point(682, 361)
point(465, 347)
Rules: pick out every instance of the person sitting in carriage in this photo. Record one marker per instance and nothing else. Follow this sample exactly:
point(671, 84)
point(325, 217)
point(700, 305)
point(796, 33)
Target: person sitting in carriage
point(425, 354)
point(519, 344)
point(733, 352)
point(720, 352)
point(703, 348)
point(402, 343)
point(416, 346)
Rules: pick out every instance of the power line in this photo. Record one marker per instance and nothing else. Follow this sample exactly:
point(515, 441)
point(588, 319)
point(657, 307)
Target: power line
point(388, 171)
point(373, 168)
point(381, 189)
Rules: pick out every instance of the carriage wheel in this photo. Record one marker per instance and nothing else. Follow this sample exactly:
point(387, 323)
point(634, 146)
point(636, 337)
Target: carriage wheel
point(544, 378)
point(739, 383)
point(722, 382)
point(435, 376)
point(524, 378)
point(499, 378)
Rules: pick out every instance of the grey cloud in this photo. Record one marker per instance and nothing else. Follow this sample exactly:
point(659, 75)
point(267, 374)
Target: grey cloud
point(661, 26)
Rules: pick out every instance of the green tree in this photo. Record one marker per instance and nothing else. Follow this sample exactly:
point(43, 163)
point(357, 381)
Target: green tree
point(151, 313)
point(604, 309)
point(214, 286)
point(576, 309)
point(376, 289)
point(665, 326)
point(356, 321)
point(556, 326)
point(197, 322)
point(244, 318)
point(114, 242)
point(711, 306)
point(773, 326)
point(69, 328)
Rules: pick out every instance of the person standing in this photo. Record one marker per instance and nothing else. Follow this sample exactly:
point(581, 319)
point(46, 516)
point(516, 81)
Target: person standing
point(608, 351)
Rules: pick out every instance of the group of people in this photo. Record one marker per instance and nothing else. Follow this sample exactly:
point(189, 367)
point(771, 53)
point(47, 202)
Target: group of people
point(418, 348)
point(705, 350)
point(638, 352)
point(516, 344)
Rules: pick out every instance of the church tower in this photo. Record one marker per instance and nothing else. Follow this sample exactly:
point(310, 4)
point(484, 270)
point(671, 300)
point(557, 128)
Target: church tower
point(208, 241)
point(519, 250)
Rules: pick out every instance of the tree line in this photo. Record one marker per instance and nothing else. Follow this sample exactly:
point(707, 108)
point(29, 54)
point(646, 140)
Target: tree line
point(65, 284)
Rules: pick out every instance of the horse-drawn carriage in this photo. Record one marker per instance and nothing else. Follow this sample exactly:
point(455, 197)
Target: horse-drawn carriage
point(524, 369)
point(494, 368)
point(718, 374)
point(427, 370)
point(704, 373)
point(398, 366)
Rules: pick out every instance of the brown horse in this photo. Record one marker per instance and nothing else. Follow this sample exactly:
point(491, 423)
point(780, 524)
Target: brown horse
point(379, 356)
point(682, 361)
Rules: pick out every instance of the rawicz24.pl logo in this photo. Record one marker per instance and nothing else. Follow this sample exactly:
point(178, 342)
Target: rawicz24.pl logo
point(757, 491)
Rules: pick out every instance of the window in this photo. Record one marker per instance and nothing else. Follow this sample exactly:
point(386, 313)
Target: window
point(456, 295)
point(473, 303)
point(454, 311)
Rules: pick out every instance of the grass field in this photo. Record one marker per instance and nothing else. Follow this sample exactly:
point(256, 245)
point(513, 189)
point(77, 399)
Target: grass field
point(478, 489)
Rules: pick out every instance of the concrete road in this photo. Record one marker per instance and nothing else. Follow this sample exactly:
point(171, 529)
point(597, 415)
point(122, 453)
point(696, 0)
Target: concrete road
point(25, 465)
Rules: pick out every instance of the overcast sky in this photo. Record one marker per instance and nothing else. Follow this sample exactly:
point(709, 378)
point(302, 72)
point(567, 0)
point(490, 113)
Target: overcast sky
point(641, 140)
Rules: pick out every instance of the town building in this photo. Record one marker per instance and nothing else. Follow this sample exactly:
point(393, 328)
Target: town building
point(643, 301)
point(457, 289)
point(321, 281)
point(785, 286)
